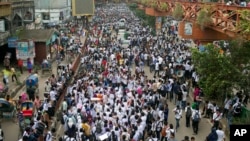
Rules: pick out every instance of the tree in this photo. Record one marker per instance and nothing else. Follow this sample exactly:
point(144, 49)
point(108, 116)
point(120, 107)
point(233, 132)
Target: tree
point(221, 72)
point(217, 74)
point(178, 12)
point(204, 17)
point(244, 21)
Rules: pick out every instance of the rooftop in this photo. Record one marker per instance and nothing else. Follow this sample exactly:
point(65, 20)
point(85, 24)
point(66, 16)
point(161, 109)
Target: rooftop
point(38, 35)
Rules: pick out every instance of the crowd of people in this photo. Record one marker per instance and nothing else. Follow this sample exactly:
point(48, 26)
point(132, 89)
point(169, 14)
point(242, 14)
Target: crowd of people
point(113, 98)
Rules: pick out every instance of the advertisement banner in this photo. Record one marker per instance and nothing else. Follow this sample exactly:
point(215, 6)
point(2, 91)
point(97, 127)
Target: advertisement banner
point(25, 49)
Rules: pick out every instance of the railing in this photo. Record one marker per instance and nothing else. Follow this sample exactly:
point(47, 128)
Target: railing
point(225, 19)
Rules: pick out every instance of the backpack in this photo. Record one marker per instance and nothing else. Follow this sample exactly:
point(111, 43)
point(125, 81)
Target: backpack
point(151, 101)
point(150, 117)
point(196, 116)
point(189, 112)
point(47, 135)
point(238, 109)
point(163, 131)
point(62, 120)
point(99, 127)
point(72, 131)
point(158, 126)
point(212, 136)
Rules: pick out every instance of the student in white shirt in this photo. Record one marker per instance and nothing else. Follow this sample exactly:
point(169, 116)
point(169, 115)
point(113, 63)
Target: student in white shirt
point(178, 116)
point(221, 134)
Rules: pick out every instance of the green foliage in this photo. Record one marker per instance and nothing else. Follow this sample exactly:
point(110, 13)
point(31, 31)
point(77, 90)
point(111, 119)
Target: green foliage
point(147, 20)
point(178, 12)
point(217, 74)
point(153, 4)
point(244, 118)
point(221, 72)
point(244, 21)
point(132, 6)
point(145, 2)
point(204, 17)
point(163, 6)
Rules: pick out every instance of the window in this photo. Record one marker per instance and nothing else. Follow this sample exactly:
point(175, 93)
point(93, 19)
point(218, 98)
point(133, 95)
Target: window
point(46, 16)
point(28, 16)
point(17, 21)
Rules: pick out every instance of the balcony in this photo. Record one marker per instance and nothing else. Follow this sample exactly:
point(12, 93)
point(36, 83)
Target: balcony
point(5, 9)
point(3, 37)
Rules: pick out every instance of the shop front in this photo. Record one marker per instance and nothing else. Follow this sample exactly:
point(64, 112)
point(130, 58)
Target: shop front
point(44, 42)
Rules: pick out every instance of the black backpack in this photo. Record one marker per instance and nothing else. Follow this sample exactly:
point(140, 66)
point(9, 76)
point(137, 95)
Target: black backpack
point(189, 112)
point(62, 120)
point(238, 109)
point(150, 117)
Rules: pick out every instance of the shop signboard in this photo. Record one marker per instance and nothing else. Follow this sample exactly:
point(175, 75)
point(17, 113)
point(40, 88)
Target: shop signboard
point(12, 42)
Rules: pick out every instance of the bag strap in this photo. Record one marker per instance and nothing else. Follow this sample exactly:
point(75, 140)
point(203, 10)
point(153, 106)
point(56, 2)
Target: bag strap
point(217, 116)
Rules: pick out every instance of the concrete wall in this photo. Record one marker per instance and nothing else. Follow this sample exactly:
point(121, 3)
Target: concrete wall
point(54, 14)
point(51, 4)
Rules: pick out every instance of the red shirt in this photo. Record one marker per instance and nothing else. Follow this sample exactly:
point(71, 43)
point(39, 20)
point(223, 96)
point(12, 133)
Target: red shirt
point(20, 63)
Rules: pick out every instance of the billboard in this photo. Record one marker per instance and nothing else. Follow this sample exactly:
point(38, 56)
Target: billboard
point(83, 7)
point(188, 28)
point(25, 49)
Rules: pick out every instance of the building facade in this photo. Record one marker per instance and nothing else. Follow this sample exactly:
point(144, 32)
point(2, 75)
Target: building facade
point(53, 12)
point(5, 14)
point(23, 12)
point(14, 15)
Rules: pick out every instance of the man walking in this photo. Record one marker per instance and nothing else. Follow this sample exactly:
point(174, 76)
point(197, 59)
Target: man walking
point(178, 113)
point(196, 116)
point(157, 69)
point(188, 111)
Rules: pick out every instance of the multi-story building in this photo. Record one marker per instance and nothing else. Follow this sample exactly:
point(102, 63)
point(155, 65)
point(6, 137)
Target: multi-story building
point(53, 12)
point(22, 14)
point(5, 15)
point(14, 15)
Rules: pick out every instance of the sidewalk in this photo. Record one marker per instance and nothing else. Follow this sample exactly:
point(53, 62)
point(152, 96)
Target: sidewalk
point(14, 87)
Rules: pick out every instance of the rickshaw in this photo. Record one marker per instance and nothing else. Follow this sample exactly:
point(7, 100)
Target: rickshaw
point(46, 67)
point(32, 82)
point(7, 109)
point(27, 108)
